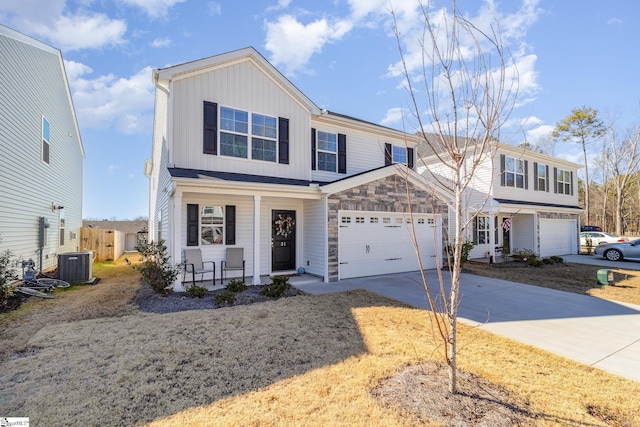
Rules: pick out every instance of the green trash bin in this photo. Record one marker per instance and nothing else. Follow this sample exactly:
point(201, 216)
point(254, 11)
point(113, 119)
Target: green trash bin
point(605, 276)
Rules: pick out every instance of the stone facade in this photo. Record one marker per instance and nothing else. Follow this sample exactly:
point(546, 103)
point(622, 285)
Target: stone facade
point(384, 195)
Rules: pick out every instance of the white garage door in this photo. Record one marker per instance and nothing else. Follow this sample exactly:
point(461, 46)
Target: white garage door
point(372, 243)
point(558, 237)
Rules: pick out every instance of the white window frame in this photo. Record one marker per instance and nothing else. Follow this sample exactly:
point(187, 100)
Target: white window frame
point(254, 132)
point(482, 229)
point(333, 153)
point(399, 154)
point(514, 172)
point(564, 181)
point(209, 226)
point(542, 180)
point(46, 141)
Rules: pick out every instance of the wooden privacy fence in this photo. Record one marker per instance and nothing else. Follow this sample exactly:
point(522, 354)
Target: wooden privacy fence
point(105, 244)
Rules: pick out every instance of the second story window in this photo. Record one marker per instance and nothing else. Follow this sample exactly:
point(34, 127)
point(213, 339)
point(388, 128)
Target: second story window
point(242, 133)
point(399, 154)
point(541, 178)
point(514, 172)
point(46, 139)
point(563, 181)
point(327, 151)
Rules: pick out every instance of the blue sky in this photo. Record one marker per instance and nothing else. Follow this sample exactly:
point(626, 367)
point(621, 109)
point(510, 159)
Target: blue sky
point(340, 53)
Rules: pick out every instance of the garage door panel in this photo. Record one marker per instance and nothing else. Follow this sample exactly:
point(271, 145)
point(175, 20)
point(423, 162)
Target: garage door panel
point(380, 243)
point(557, 237)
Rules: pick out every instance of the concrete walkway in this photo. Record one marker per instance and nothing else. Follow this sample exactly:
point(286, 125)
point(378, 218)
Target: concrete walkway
point(596, 332)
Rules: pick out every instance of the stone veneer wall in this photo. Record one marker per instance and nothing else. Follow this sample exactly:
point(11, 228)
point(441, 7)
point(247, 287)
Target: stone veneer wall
point(384, 195)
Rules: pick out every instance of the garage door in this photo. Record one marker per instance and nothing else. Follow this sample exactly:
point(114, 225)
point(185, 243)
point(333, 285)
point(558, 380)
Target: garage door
point(372, 243)
point(558, 237)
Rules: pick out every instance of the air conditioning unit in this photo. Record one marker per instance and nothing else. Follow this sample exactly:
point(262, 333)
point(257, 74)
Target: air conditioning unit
point(74, 267)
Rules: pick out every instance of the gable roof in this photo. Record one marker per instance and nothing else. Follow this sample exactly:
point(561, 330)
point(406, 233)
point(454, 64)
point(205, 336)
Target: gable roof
point(246, 54)
point(22, 38)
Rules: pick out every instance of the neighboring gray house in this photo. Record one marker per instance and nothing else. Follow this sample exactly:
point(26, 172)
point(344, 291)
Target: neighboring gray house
point(242, 158)
point(41, 152)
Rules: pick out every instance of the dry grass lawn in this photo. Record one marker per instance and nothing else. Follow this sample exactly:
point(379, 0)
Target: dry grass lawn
point(90, 358)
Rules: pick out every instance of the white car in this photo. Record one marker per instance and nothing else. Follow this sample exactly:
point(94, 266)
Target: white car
point(591, 239)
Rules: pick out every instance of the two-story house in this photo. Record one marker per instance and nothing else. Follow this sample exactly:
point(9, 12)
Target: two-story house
point(41, 153)
point(242, 158)
point(519, 199)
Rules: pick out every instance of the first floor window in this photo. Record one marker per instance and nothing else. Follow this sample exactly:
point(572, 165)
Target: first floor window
point(212, 225)
point(481, 230)
point(327, 151)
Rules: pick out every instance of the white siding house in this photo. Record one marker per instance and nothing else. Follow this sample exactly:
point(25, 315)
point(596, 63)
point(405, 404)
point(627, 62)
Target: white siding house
point(242, 158)
point(520, 200)
point(41, 152)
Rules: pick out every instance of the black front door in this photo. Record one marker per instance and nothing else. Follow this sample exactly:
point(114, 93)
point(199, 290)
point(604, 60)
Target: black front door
point(283, 240)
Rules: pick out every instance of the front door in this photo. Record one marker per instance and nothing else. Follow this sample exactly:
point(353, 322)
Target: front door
point(283, 240)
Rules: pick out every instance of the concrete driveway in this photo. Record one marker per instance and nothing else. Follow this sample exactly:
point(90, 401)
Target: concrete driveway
point(596, 332)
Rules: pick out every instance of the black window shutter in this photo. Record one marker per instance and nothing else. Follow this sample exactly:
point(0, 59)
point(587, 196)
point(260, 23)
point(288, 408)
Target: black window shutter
point(313, 149)
point(210, 128)
point(283, 140)
point(342, 153)
point(230, 224)
point(193, 212)
point(555, 180)
point(535, 176)
point(410, 158)
point(502, 170)
point(388, 154)
point(526, 174)
point(547, 180)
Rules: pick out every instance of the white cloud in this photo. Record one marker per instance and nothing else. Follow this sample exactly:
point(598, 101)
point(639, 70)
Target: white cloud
point(395, 116)
point(292, 43)
point(615, 21)
point(112, 168)
point(214, 8)
point(82, 31)
point(109, 101)
point(162, 42)
point(154, 8)
point(75, 69)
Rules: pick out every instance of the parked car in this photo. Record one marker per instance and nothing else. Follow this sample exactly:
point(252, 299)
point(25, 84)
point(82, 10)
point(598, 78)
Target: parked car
point(619, 251)
point(591, 239)
point(590, 228)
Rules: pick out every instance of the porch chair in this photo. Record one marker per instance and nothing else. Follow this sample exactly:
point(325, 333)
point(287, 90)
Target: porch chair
point(193, 265)
point(234, 261)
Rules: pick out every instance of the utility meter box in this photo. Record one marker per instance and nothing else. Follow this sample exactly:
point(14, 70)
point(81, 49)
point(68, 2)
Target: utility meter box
point(605, 276)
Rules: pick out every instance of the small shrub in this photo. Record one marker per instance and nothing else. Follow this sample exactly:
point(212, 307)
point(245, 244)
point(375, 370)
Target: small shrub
point(7, 275)
point(548, 261)
point(466, 249)
point(195, 291)
point(557, 259)
point(535, 262)
point(156, 268)
point(523, 255)
point(236, 286)
point(225, 298)
point(277, 287)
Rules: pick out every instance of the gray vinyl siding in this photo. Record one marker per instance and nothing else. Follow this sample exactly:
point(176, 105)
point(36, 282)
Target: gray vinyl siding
point(315, 232)
point(33, 85)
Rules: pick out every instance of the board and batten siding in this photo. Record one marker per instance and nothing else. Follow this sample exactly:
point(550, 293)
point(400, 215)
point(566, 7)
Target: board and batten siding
point(244, 229)
point(242, 86)
point(315, 241)
point(33, 85)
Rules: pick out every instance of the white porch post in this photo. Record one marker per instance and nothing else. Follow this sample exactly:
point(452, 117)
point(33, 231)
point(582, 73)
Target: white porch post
point(175, 224)
point(256, 239)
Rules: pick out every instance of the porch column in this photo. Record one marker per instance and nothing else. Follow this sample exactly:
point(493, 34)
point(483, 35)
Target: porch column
point(175, 239)
point(256, 239)
point(492, 236)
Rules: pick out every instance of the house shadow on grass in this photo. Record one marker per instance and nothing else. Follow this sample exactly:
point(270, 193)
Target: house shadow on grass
point(134, 369)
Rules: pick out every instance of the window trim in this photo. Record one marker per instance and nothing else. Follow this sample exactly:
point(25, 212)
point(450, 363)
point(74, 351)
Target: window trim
point(277, 139)
point(485, 230)
point(540, 183)
point(213, 225)
point(45, 148)
point(320, 150)
point(557, 182)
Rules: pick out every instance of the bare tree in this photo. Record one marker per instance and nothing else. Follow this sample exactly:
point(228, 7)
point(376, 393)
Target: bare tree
point(469, 90)
point(582, 125)
point(623, 161)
